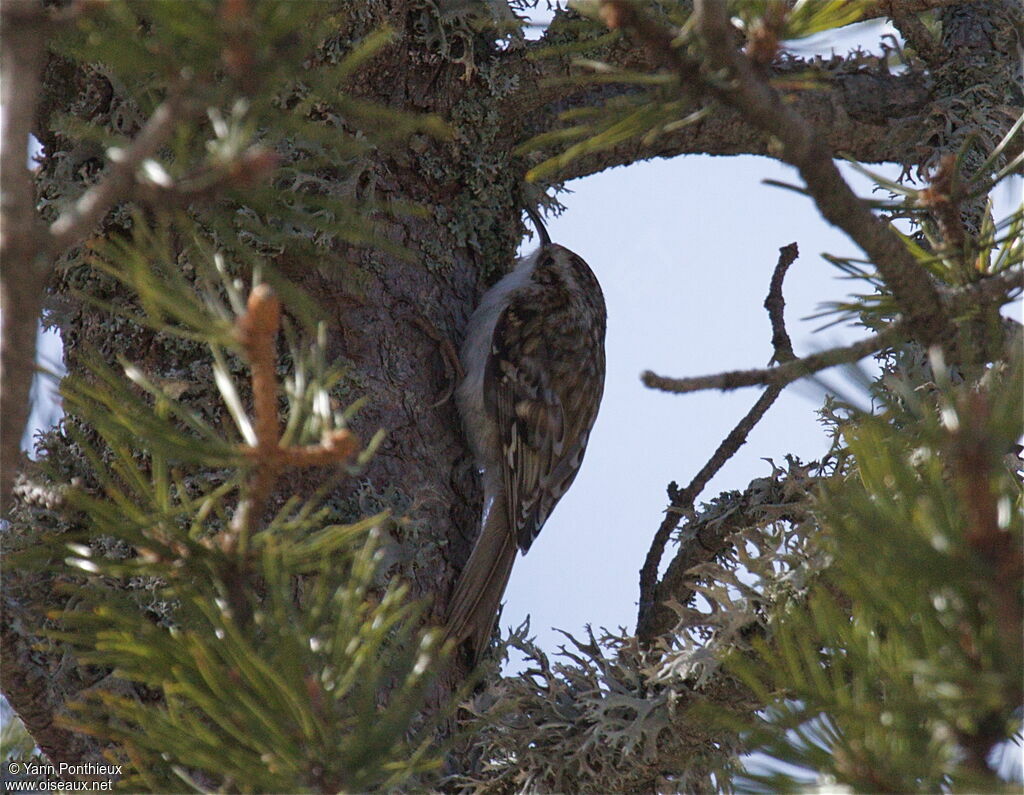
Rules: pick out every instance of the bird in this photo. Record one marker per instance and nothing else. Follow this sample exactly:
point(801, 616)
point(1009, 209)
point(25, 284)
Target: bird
point(534, 364)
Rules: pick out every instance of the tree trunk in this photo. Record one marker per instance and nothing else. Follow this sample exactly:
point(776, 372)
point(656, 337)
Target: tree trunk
point(395, 321)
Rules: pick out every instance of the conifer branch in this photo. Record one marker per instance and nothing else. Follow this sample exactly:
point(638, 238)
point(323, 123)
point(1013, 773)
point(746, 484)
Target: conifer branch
point(256, 331)
point(801, 146)
point(77, 222)
point(28, 249)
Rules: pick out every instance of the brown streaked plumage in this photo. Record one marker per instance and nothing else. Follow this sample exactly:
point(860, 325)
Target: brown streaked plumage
point(534, 362)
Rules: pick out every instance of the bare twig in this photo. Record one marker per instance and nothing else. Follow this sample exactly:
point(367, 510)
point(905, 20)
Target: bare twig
point(1000, 286)
point(682, 501)
point(775, 303)
point(78, 221)
point(778, 376)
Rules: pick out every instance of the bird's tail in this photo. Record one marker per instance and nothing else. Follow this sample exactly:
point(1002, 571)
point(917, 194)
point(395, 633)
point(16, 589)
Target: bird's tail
point(474, 605)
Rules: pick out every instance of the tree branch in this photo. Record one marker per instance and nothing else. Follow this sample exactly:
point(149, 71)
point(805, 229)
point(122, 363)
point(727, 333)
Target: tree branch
point(803, 148)
point(781, 375)
point(23, 28)
point(78, 221)
point(870, 116)
point(653, 619)
point(682, 501)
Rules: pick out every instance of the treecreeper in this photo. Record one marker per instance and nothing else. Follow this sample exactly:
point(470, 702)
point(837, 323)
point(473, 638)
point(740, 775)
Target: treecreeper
point(534, 365)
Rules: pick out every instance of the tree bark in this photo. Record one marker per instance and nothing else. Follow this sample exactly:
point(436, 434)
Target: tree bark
point(23, 35)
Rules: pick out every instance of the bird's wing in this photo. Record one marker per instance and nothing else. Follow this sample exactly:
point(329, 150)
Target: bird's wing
point(543, 432)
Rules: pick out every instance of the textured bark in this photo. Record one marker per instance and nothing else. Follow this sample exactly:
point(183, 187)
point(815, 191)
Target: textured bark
point(871, 116)
point(21, 284)
point(37, 681)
